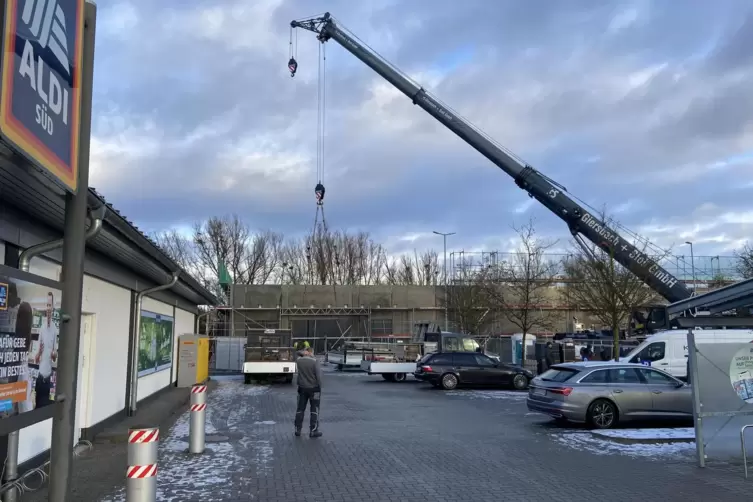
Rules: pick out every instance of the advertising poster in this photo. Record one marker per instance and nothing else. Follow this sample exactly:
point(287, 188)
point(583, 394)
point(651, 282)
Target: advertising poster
point(741, 374)
point(29, 327)
point(155, 343)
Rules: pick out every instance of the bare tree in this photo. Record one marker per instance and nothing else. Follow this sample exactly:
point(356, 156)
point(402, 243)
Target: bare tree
point(373, 258)
point(522, 286)
point(321, 256)
point(609, 291)
point(412, 269)
point(294, 265)
point(467, 301)
point(744, 261)
point(263, 256)
point(427, 265)
point(223, 240)
point(178, 247)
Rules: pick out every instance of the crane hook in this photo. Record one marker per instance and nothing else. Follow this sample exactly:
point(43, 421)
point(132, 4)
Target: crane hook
point(292, 66)
point(319, 192)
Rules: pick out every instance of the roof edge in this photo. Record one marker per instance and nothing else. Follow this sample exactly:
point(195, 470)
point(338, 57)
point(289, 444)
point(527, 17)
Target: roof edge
point(144, 243)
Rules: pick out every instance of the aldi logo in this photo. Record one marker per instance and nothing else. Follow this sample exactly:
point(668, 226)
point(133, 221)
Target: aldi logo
point(3, 296)
point(41, 84)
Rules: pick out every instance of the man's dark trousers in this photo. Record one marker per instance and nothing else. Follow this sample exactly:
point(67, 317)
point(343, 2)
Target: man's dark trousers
point(42, 389)
point(306, 396)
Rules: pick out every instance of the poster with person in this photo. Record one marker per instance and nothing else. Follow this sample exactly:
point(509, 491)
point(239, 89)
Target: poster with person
point(29, 332)
point(155, 342)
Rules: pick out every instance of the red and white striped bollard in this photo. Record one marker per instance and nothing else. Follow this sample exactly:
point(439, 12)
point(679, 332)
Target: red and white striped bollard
point(141, 475)
point(198, 418)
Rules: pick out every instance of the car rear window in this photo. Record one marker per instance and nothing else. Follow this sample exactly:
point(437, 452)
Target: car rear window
point(441, 359)
point(426, 358)
point(558, 374)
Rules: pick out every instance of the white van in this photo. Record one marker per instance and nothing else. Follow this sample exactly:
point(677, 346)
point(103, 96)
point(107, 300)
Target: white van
point(668, 350)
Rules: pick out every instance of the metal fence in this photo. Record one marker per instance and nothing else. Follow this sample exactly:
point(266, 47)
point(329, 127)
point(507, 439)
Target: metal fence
point(226, 355)
point(721, 377)
point(684, 267)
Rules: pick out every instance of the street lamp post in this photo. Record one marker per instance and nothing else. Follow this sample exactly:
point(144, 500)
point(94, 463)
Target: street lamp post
point(692, 264)
point(444, 265)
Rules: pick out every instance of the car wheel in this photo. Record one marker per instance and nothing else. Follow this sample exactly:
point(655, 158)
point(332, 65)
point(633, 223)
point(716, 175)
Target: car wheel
point(520, 382)
point(246, 378)
point(602, 414)
point(449, 381)
point(399, 377)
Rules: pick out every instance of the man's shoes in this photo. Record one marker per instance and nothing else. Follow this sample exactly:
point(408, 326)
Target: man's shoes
point(315, 434)
point(298, 433)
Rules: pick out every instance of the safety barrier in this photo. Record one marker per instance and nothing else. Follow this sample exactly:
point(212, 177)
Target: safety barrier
point(197, 423)
point(141, 474)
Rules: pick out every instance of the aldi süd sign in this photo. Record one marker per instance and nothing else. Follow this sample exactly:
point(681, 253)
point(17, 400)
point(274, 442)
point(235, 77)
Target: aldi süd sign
point(41, 84)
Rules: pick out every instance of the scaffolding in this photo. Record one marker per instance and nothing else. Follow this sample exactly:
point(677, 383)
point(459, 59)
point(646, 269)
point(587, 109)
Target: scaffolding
point(702, 269)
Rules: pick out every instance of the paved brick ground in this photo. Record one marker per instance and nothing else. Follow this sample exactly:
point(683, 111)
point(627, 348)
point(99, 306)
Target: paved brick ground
point(407, 442)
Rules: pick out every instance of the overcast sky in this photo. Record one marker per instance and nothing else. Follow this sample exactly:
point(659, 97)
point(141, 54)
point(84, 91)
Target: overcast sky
point(645, 107)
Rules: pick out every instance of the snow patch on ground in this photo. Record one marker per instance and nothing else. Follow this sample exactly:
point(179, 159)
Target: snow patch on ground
point(265, 422)
point(183, 476)
point(585, 441)
point(666, 434)
point(489, 394)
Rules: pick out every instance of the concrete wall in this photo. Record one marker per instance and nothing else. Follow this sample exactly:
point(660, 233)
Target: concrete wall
point(402, 305)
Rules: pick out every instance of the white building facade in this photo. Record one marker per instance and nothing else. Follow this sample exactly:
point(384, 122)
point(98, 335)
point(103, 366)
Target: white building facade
point(120, 262)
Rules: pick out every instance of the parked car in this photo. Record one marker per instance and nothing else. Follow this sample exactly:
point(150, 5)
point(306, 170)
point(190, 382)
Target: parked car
point(452, 369)
point(603, 394)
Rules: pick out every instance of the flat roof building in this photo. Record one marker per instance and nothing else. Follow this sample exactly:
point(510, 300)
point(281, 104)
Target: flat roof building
point(120, 261)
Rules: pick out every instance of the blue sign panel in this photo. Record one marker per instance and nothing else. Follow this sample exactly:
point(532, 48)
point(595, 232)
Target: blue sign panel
point(41, 84)
point(3, 296)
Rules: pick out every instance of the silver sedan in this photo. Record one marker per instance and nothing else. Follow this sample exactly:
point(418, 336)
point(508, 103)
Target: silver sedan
point(602, 394)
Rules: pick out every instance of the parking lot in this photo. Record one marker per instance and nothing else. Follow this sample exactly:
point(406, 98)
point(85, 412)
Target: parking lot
point(407, 441)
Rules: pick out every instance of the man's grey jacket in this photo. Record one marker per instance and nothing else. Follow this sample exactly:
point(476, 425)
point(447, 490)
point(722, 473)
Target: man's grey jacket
point(309, 373)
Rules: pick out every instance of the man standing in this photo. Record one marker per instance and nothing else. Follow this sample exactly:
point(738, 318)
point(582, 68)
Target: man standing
point(46, 355)
point(309, 391)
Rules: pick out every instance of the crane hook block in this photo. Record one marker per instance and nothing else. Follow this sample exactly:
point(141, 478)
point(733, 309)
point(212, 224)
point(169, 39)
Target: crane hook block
point(292, 66)
point(319, 192)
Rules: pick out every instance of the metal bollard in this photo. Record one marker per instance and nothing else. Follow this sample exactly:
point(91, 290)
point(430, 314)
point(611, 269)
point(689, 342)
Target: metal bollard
point(141, 482)
point(198, 420)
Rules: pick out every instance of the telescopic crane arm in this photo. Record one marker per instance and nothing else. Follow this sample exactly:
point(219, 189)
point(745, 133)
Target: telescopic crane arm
point(549, 193)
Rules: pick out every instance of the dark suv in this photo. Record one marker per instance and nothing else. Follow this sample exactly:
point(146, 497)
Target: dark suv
point(451, 369)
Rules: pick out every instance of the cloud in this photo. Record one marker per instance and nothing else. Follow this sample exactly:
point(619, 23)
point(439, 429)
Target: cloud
point(640, 107)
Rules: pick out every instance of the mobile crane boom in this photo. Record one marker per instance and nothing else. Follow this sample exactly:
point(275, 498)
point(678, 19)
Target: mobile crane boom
point(549, 193)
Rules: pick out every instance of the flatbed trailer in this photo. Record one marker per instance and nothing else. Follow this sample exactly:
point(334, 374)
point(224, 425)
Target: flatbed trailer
point(390, 371)
point(395, 363)
point(345, 358)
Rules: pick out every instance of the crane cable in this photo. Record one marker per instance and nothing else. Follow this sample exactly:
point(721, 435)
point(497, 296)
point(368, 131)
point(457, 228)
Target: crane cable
point(293, 53)
point(320, 229)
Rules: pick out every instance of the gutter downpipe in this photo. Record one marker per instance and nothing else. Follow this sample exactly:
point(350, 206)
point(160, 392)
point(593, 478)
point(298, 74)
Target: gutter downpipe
point(95, 217)
point(24, 262)
point(133, 387)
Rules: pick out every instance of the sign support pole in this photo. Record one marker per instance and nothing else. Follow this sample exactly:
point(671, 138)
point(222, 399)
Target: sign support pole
point(697, 404)
point(61, 451)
